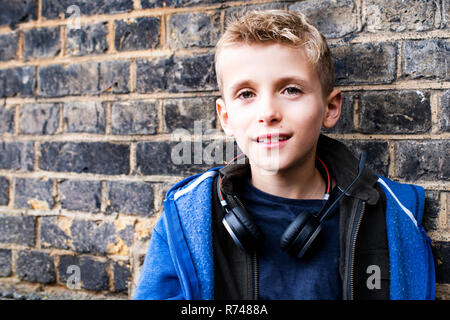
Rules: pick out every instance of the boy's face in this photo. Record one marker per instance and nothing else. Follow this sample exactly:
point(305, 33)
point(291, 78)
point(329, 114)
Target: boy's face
point(273, 89)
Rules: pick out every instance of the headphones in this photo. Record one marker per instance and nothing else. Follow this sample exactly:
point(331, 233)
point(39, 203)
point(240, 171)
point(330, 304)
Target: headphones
point(297, 237)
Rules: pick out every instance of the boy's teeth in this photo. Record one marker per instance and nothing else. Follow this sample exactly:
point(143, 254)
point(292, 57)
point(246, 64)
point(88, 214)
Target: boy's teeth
point(272, 139)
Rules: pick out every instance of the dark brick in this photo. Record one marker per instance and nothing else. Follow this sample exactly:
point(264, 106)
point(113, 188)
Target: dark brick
point(35, 266)
point(33, 192)
point(134, 117)
point(41, 43)
point(400, 15)
point(430, 219)
point(137, 34)
point(8, 46)
point(88, 157)
point(80, 195)
point(93, 274)
point(114, 77)
point(53, 9)
point(179, 158)
point(130, 198)
point(194, 29)
point(187, 112)
point(52, 234)
point(89, 39)
point(122, 276)
point(7, 119)
point(86, 116)
point(17, 11)
point(446, 13)
point(176, 74)
point(345, 122)
point(39, 118)
point(427, 59)
point(18, 82)
point(5, 263)
point(377, 154)
point(423, 160)
point(74, 79)
point(376, 63)
point(176, 3)
point(17, 229)
point(16, 156)
point(333, 19)
point(395, 112)
point(441, 253)
point(444, 123)
point(4, 191)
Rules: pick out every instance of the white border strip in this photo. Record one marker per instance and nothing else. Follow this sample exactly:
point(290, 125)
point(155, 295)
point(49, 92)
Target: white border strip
point(197, 181)
point(408, 212)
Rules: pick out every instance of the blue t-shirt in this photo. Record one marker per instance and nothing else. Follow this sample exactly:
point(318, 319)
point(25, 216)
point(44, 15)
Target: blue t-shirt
point(282, 276)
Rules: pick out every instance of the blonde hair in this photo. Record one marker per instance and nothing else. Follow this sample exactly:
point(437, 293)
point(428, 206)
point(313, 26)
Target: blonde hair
point(284, 27)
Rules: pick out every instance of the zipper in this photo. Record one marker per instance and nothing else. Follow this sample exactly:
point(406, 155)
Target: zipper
point(351, 262)
point(255, 276)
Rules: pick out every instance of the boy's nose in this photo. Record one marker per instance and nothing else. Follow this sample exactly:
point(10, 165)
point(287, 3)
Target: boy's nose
point(268, 113)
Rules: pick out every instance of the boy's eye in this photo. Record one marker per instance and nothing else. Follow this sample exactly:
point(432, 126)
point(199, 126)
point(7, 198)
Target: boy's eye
point(292, 90)
point(246, 94)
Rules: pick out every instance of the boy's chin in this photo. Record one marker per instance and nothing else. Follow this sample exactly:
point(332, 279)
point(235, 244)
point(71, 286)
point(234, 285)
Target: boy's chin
point(266, 167)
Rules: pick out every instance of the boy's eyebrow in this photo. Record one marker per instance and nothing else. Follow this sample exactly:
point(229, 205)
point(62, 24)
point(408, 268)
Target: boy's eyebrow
point(278, 82)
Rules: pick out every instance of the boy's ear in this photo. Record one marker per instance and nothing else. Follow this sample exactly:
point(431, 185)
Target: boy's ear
point(223, 116)
point(333, 106)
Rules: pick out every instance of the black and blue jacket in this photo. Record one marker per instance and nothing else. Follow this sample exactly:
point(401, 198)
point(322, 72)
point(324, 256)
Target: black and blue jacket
point(380, 224)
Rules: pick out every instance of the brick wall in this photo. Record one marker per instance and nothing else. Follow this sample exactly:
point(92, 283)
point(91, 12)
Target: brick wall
point(90, 104)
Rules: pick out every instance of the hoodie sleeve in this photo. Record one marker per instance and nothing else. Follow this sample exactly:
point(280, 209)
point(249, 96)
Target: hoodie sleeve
point(158, 279)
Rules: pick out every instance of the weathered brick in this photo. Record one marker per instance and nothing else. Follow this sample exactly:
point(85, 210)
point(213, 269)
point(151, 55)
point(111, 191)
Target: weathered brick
point(17, 229)
point(180, 158)
point(430, 219)
point(80, 195)
point(345, 122)
point(394, 112)
point(176, 3)
point(16, 11)
point(333, 19)
point(93, 274)
point(446, 13)
point(122, 275)
point(86, 116)
point(35, 266)
point(400, 15)
point(376, 63)
point(90, 39)
point(4, 191)
point(137, 34)
point(130, 198)
point(427, 59)
point(444, 122)
point(88, 157)
point(114, 77)
point(176, 74)
point(194, 29)
point(16, 156)
point(74, 79)
point(53, 9)
point(7, 119)
point(54, 232)
point(5, 263)
point(33, 193)
point(377, 154)
point(8, 46)
point(39, 118)
point(441, 253)
point(186, 113)
point(18, 82)
point(134, 117)
point(423, 160)
point(42, 43)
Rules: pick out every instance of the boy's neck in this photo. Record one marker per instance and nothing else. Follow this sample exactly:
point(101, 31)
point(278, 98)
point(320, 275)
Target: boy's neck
point(303, 182)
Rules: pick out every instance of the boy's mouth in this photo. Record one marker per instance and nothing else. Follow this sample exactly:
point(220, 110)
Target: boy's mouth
point(272, 139)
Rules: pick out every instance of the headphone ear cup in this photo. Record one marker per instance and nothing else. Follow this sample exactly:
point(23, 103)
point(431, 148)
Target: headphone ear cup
point(300, 234)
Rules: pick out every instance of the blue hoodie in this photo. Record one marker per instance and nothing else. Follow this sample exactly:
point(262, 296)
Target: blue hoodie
point(180, 264)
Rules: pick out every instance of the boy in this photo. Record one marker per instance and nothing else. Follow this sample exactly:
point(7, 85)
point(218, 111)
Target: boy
point(301, 218)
